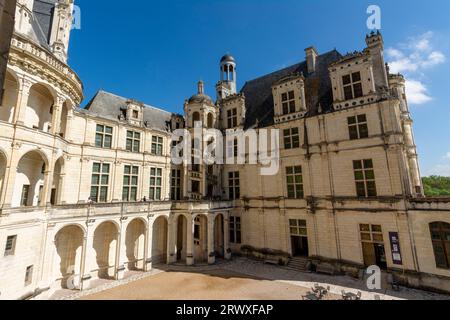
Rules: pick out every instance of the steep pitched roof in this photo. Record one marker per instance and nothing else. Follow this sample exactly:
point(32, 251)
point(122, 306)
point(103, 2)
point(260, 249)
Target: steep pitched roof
point(109, 106)
point(259, 98)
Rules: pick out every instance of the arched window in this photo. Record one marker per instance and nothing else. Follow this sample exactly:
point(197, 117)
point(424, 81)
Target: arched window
point(195, 118)
point(210, 120)
point(440, 235)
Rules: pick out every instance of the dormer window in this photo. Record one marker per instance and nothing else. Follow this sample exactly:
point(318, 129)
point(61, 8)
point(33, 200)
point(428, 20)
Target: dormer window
point(232, 118)
point(288, 102)
point(135, 114)
point(352, 86)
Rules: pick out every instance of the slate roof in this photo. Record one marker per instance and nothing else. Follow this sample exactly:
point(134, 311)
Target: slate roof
point(109, 106)
point(259, 98)
point(41, 22)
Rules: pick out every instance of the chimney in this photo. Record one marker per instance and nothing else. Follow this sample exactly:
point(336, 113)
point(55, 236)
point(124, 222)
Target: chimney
point(311, 59)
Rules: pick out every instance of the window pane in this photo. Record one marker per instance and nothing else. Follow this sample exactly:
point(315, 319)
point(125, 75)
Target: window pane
point(362, 118)
point(348, 94)
point(346, 79)
point(105, 168)
point(95, 179)
point(358, 90)
point(96, 167)
point(108, 142)
point(353, 130)
point(363, 131)
point(351, 120)
point(356, 76)
point(108, 130)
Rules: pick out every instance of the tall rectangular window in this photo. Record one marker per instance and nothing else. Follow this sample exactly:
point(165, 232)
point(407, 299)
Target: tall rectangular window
point(352, 86)
point(157, 146)
point(10, 246)
point(103, 137)
point(130, 183)
point(133, 141)
point(29, 275)
point(294, 180)
point(232, 148)
point(234, 185)
point(155, 183)
point(235, 230)
point(175, 185)
point(357, 127)
point(291, 138)
point(365, 178)
point(100, 182)
point(288, 102)
point(232, 118)
point(25, 195)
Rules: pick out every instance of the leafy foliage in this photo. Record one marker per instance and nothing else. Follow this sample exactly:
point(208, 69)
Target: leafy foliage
point(436, 186)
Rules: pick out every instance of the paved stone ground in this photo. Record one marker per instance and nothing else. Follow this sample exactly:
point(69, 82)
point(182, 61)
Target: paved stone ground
point(238, 279)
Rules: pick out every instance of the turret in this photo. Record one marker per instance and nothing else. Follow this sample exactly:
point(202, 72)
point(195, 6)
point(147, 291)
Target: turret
point(227, 84)
point(375, 45)
point(60, 29)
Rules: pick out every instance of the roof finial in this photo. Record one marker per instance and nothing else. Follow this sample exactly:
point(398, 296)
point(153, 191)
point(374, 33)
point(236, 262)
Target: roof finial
point(201, 87)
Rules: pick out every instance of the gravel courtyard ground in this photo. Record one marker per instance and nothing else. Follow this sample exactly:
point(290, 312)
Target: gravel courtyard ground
point(217, 285)
point(239, 279)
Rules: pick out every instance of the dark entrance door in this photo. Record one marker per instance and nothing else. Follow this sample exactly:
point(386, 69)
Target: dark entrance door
point(300, 246)
point(380, 256)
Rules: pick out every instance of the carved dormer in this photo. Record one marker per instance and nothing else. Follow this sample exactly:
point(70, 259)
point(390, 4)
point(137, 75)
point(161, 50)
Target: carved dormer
point(134, 113)
point(289, 98)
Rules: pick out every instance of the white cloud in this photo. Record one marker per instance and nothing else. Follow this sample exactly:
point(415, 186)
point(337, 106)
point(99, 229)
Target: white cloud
point(440, 170)
point(412, 59)
point(447, 156)
point(417, 92)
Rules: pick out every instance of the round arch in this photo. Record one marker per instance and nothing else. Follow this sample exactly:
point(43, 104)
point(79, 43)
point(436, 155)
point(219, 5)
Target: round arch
point(30, 179)
point(69, 242)
point(159, 239)
point(39, 110)
point(105, 245)
point(10, 96)
point(135, 244)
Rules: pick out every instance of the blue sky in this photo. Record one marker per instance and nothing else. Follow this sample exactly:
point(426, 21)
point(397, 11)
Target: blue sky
point(156, 51)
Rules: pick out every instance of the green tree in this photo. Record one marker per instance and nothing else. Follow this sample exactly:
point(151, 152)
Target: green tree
point(436, 186)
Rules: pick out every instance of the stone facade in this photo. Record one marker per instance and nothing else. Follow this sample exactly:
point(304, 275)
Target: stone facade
point(7, 10)
point(90, 193)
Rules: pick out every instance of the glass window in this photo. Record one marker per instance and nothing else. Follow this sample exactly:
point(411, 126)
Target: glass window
point(365, 178)
point(103, 137)
point(235, 230)
point(291, 138)
point(294, 181)
point(357, 127)
point(232, 118)
point(100, 182)
point(234, 190)
point(133, 141)
point(440, 236)
point(155, 184)
point(352, 86)
point(10, 246)
point(157, 146)
point(288, 102)
point(175, 185)
point(130, 183)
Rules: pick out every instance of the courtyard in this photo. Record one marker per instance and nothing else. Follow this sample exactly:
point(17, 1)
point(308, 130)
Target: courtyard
point(240, 279)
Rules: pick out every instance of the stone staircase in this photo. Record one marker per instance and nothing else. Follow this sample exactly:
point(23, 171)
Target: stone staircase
point(298, 264)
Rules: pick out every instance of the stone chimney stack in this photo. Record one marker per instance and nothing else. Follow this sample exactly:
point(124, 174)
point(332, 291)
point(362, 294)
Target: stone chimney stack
point(311, 59)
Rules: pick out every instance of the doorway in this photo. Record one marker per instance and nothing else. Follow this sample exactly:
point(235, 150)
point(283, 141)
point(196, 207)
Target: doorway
point(299, 246)
point(299, 238)
point(374, 252)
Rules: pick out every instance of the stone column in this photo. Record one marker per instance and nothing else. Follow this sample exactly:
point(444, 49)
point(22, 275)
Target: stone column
point(121, 251)
point(56, 115)
point(89, 258)
point(171, 255)
point(211, 250)
point(226, 237)
point(190, 241)
point(46, 190)
point(22, 101)
point(148, 265)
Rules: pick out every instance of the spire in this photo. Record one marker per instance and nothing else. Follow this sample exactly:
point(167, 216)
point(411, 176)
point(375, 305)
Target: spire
point(201, 87)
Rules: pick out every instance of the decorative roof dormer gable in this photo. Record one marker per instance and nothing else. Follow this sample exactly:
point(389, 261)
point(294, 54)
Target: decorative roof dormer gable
point(233, 111)
point(133, 112)
point(289, 98)
point(352, 80)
